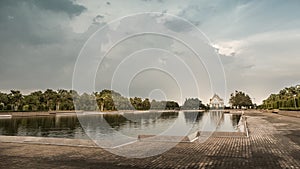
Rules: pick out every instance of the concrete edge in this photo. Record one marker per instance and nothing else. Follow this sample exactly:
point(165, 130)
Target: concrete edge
point(47, 141)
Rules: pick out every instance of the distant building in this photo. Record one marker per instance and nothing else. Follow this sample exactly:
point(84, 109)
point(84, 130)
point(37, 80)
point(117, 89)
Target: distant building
point(216, 102)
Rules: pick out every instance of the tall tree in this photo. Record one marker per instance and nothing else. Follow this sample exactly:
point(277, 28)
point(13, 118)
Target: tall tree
point(33, 101)
point(4, 101)
point(193, 103)
point(137, 103)
point(146, 104)
point(51, 98)
point(16, 99)
point(239, 99)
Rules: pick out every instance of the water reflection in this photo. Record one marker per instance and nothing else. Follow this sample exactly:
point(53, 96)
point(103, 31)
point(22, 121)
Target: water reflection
point(50, 126)
point(129, 124)
point(191, 117)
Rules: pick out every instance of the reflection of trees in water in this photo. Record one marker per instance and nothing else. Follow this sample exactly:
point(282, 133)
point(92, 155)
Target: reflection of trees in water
point(235, 118)
point(37, 125)
point(67, 122)
point(115, 120)
point(217, 117)
point(7, 127)
point(169, 115)
point(138, 118)
point(191, 117)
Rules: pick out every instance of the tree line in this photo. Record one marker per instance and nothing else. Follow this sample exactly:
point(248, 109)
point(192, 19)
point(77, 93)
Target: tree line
point(106, 100)
point(287, 99)
point(38, 100)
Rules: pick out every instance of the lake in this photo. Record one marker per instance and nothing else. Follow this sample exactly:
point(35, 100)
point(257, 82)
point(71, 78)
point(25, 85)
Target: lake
point(128, 124)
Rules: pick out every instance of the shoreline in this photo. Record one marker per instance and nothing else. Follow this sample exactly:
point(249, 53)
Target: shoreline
point(120, 112)
point(81, 112)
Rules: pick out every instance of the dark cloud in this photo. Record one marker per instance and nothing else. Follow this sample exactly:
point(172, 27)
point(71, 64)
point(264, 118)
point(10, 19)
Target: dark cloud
point(178, 25)
point(40, 48)
point(36, 21)
point(64, 6)
point(30, 33)
point(67, 6)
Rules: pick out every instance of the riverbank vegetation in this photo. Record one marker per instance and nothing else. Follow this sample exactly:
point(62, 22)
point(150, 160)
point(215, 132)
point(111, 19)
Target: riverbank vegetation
point(106, 100)
point(240, 100)
point(287, 99)
point(192, 104)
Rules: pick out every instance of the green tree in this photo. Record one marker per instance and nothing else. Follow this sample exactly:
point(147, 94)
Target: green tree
point(239, 99)
point(50, 97)
point(164, 105)
point(157, 105)
point(65, 100)
point(172, 105)
point(4, 100)
point(146, 104)
point(137, 103)
point(15, 98)
point(87, 102)
point(106, 99)
point(192, 104)
point(32, 101)
point(287, 98)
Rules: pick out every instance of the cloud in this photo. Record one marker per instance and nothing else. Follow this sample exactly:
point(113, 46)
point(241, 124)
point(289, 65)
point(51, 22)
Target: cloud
point(38, 23)
point(40, 48)
point(65, 6)
point(177, 25)
point(117, 9)
point(61, 6)
point(263, 63)
point(230, 48)
point(257, 40)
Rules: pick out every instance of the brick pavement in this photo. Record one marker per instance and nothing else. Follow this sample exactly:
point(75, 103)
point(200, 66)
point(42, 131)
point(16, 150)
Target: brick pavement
point(274, 142)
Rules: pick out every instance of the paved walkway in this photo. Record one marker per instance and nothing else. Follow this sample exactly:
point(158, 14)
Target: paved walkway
point(274, 142)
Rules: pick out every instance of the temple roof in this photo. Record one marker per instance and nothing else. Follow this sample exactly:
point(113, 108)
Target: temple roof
point(216, 97)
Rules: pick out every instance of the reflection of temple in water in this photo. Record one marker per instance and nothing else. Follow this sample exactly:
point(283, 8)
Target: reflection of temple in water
point(216, 102)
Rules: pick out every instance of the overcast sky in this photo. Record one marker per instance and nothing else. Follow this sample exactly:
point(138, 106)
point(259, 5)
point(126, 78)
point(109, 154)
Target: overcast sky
point(257, 42)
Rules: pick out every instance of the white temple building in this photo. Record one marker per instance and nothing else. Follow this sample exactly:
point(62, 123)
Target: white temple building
point(216, 102)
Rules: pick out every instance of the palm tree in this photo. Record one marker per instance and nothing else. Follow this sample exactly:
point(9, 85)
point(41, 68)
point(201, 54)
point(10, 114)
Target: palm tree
point(15, 98)
point(51, 98)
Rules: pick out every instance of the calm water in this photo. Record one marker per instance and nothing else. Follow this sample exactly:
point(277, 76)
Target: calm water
point(128, 124)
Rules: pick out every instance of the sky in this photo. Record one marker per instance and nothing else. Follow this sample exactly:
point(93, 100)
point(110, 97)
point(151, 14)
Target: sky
point(251, 46)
